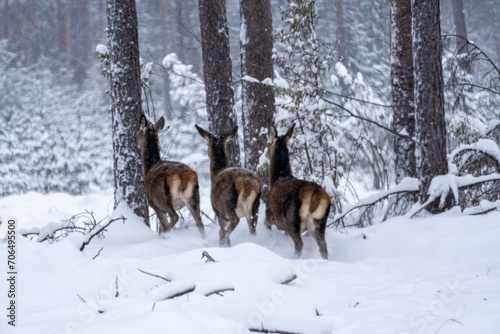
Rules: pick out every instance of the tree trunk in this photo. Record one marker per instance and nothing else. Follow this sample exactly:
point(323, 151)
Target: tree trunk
point(126, 105)
point(460, 27)
point(341, 33)
point(402, 89)
point(217, 71)
point(166, 34)
point(256, 63)
point(429, 96)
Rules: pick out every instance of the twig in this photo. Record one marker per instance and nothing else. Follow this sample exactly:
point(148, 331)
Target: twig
point(98, 253)
point(116, 285)
point(209, 258)
point(219, 291)
point(158, 276)
point(99, 231)
point(213, 221)
point(81, 298)
point(270, 331)
point(291, 279)
point(191, 289)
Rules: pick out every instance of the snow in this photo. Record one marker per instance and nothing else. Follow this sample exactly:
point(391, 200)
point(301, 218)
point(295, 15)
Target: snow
point(102, 49)
point(424, 275)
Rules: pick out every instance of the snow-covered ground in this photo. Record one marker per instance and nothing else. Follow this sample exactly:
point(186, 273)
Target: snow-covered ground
point(439, 274)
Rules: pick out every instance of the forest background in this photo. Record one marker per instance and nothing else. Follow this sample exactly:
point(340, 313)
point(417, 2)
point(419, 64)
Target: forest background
point(56, 136)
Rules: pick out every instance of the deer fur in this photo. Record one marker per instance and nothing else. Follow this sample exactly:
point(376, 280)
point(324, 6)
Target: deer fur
point(235, 191)
point(170, 185)
point(294, 205)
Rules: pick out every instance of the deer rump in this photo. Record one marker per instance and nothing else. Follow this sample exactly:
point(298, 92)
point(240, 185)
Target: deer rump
point(171, 182)
point(234, 191)
point(298, 205)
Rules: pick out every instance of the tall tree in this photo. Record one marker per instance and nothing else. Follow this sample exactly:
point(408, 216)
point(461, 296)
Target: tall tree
point(257, 72)
point(402, 89)
point(460, 27)
point(125, 78)
point(217, 72)
point(429, 96)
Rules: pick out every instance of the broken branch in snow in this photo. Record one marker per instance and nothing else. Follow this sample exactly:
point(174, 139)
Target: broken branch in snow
point(154, 275)
point(218, 291)
point(270, 331)
point(291, 279)
point(208, 256)
point(85, 243)
point(178, 294)
point(407, 185)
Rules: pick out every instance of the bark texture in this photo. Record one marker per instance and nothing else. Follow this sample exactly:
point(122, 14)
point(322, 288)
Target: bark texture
point(429, 95)
point(402, 89)
point(217, 73)
point(126, 105)
point(256, 66)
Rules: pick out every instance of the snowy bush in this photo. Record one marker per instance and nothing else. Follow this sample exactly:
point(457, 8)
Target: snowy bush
point(54, 137)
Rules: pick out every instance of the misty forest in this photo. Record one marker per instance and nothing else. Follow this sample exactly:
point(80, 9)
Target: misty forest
point(240, 166)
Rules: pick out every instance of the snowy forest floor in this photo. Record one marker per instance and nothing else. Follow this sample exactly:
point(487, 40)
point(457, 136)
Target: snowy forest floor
point(439, 274)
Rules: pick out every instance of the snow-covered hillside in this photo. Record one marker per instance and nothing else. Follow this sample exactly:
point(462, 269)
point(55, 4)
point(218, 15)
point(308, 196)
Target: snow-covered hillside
point(439, 274)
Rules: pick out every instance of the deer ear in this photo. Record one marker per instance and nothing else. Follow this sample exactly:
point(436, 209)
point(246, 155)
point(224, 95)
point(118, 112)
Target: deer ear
point(143, 123)
point(231, 134)
point(160, 124)
point(289, 134)
point(272, 134)
point(205, 134)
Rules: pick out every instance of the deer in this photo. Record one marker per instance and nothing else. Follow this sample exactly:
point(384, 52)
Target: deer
point(170, 185)
point(294, 205)
point(235, 191)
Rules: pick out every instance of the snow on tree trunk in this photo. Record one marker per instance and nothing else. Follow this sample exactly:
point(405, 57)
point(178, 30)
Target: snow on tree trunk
point(126, 105)
point(429, 96)
point(217, 71)
point(402, 89)
point(257, 72)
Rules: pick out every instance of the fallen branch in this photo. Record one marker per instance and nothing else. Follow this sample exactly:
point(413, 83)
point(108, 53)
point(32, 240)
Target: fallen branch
point(85, 243)
point(190, 289)
point(208, 256)
point(408, 185)
point(291, 279)
point(270, 331)
point(218, 291)
point(154, 275)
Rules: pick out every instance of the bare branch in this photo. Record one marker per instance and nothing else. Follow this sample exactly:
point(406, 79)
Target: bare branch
point(291, 279)
point(154, 275)
point(178, 294)
point(85, 243)
point(218, 291)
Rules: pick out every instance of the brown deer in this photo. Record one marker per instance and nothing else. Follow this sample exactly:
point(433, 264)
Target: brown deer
point(235, 191)
point(294, 205)
point(170, 185)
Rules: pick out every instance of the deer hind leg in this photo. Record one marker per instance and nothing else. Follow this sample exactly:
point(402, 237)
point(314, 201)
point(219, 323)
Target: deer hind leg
point(294, 232)
point(174, 218)
point(194, 207)
point(252, 220)
point(225, 232)
point(317, 229)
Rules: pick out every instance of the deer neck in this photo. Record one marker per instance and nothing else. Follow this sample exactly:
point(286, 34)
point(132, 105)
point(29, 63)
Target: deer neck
point(280, 164)
point(151, 155)
point(218, 160)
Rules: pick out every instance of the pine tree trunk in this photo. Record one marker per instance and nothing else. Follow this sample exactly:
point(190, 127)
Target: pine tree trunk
point(166, 34)
point(217, 71)
point(126, 105)
point(460, 27)
point(402, 89)
point(429, 96)
point(340, 45)
point(256, 63)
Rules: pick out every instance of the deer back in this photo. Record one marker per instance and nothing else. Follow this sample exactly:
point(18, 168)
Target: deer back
point(234, 189)
point(290, 197)
point(167, 182)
